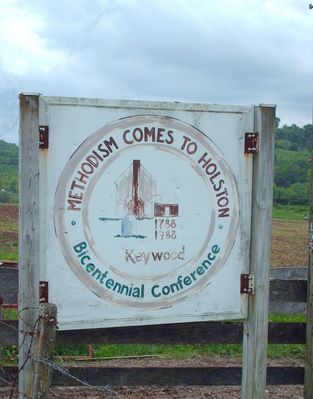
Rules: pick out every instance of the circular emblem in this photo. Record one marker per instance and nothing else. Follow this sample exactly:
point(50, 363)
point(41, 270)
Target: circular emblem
point(146, 211)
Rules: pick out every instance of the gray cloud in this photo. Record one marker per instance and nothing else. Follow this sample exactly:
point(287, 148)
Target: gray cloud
point(228, 52)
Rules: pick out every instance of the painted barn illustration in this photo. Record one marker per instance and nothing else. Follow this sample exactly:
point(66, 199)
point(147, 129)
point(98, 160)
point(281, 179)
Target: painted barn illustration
point(136, 195)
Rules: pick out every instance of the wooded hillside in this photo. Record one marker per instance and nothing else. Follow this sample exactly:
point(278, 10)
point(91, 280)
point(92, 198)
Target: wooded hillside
point(292, 164)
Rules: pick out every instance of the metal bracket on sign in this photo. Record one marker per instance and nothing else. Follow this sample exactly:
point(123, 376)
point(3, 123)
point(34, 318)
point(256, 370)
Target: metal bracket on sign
point(43, 136)
point(251, 143)
point(43, 292)
point(247, 283)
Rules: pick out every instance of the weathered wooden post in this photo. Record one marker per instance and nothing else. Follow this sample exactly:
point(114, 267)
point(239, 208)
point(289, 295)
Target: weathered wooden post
point(90, 351)
point(308, 376)
point(29, 228)
point(256, 326)
point(44, 350)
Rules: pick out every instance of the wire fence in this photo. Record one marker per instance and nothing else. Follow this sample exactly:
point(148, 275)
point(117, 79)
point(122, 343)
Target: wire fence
point(289, 285)
point(10, 380)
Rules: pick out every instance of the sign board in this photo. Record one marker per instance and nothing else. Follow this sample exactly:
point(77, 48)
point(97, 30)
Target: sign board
point(145, 210)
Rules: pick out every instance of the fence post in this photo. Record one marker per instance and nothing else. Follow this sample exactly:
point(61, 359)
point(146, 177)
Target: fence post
point(44, 350)
point(308, 374)
point(256, 326)
point(29, 234)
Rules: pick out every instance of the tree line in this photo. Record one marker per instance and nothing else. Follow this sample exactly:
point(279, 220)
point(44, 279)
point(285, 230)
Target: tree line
point(292, 164)
point(291, 175)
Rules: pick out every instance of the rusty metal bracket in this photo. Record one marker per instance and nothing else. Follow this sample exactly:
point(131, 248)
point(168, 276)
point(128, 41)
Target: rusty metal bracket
point(43, 136)
point(43, 292)
point(251, 143)
point(246, 283)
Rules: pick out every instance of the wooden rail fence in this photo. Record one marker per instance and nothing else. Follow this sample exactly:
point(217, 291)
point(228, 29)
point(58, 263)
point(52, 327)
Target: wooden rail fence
point(288, 287)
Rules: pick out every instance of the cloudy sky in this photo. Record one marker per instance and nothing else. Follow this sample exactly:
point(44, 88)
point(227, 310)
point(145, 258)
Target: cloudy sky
point(212, 51)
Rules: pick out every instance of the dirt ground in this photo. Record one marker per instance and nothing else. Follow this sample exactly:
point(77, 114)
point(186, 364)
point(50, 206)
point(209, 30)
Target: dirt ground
point(290, 240)
point(9, 213)
point(8, 229)
point(231, 392)
point(178, 392)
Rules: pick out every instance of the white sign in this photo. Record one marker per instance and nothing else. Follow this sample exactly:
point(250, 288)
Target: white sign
point(146, 211)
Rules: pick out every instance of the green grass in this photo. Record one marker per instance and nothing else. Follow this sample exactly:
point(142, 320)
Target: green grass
point(285, 350)
point(286, 318)
point(71, 350)
point(291, 212)
point(10, 314)
point(168, 351)
point(10, 227)
point(5, 255)
point(9, 352)
point(8, 245)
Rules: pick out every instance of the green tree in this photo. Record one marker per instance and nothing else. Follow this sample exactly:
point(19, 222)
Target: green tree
point(8, 172)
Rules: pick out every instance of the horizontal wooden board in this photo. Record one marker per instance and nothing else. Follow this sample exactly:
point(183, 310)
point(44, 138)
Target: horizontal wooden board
point(8, 332)
point(200, 333)
point(288, 290)
point(289, 273)
point(184, 333)
point(287, 308)
point(286, 333)
point(8, 284)
point(162, 376)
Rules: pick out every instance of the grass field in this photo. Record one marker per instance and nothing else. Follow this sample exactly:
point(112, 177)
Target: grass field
point(289, 248)
point(8, 232)
point(291, 212)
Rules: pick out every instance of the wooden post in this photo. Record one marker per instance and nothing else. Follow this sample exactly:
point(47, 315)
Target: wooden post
point(29, 228)
point(90, 351)
point(308, 375)
point(256, 326)
point(45, 346)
